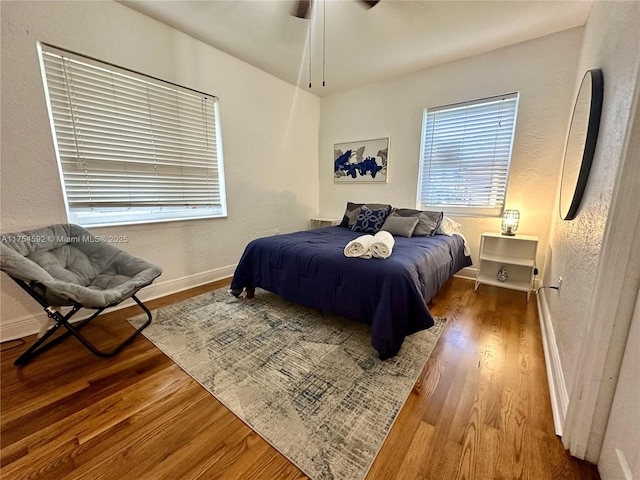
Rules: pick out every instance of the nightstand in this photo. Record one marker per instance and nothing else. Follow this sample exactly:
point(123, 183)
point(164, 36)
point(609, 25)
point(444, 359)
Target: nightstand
point(512, 258)
point(319, 222)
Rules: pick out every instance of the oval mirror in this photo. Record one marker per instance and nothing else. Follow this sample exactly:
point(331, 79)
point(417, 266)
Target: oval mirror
point(581, 143)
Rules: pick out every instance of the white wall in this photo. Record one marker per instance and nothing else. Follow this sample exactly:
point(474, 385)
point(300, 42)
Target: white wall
point(612, 44)
point(542, 70)
point(269, 130)
point(598, 256)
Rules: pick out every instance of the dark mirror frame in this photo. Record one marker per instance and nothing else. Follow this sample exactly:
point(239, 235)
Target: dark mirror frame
point(593, 125)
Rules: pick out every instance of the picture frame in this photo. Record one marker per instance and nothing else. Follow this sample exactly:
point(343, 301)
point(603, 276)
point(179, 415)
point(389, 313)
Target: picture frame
point(365, 161)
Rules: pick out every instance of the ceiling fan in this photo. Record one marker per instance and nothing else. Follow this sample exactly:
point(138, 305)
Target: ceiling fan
point(302, 9)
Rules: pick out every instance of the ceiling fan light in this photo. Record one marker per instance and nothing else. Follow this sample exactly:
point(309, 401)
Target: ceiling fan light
point(302, 9)
point(371, 3)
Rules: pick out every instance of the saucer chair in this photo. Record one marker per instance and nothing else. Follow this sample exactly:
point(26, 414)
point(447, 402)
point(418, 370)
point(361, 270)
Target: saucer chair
point(65, 265)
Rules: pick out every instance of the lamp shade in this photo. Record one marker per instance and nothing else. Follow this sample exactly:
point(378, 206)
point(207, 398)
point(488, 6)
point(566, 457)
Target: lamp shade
point(510, 222)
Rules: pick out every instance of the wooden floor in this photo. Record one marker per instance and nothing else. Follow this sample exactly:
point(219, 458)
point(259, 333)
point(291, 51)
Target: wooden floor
point(480, 410)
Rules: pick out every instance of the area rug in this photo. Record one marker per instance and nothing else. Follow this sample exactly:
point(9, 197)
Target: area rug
point(309, 383)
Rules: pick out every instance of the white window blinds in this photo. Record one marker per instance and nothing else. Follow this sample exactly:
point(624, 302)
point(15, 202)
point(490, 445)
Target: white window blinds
point(466, 152)
point(132, 148)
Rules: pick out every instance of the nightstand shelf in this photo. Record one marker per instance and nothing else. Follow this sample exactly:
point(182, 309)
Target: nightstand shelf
point(517, 254)
point(319, 222)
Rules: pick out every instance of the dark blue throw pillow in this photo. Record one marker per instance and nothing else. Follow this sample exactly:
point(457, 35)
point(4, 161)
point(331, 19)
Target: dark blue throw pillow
point(370, 221)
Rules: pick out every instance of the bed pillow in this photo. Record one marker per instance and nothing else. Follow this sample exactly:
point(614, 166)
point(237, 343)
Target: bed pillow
point(353, 209)
point(400, 226)
point(370, 221)
point(428, 222)
point(448, 227)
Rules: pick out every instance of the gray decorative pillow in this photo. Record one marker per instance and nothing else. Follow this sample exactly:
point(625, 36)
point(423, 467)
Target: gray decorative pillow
point(428, 222)
point(400, 226)
point(353, 209)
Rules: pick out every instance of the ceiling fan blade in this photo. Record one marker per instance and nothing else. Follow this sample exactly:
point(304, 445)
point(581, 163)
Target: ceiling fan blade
point(370, 3)
point(302, 9)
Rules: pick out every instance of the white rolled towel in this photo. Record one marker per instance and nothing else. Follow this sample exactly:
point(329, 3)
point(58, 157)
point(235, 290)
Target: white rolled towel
point(382, 244)
point(359, 247)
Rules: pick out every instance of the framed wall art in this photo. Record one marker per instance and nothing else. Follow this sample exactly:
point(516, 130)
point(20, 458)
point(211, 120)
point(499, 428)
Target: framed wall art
point(366, 161)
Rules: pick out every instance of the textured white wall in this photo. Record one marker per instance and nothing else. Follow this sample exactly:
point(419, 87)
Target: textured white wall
point(591, 315)
point(612, 43)
point(542, 70)
point(269, 130)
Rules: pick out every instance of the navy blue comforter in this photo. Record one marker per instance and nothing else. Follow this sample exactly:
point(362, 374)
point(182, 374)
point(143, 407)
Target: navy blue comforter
point(391, 295)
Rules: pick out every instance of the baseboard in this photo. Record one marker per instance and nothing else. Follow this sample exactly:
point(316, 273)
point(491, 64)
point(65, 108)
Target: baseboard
point(469, 273)
point(555, 377)
point(30, 324)
point(162, 289)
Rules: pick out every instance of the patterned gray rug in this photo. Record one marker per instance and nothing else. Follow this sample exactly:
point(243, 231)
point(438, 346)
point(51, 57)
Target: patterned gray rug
point(309, 383)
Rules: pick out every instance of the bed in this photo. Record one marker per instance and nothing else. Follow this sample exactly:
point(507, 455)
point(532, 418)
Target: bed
point(390, 295)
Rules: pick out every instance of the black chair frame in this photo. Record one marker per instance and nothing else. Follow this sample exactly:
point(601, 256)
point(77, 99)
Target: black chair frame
point(72, 329)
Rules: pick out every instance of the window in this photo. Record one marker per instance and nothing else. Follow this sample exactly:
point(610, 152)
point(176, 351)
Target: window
point(131, 148)
point(466, 152)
